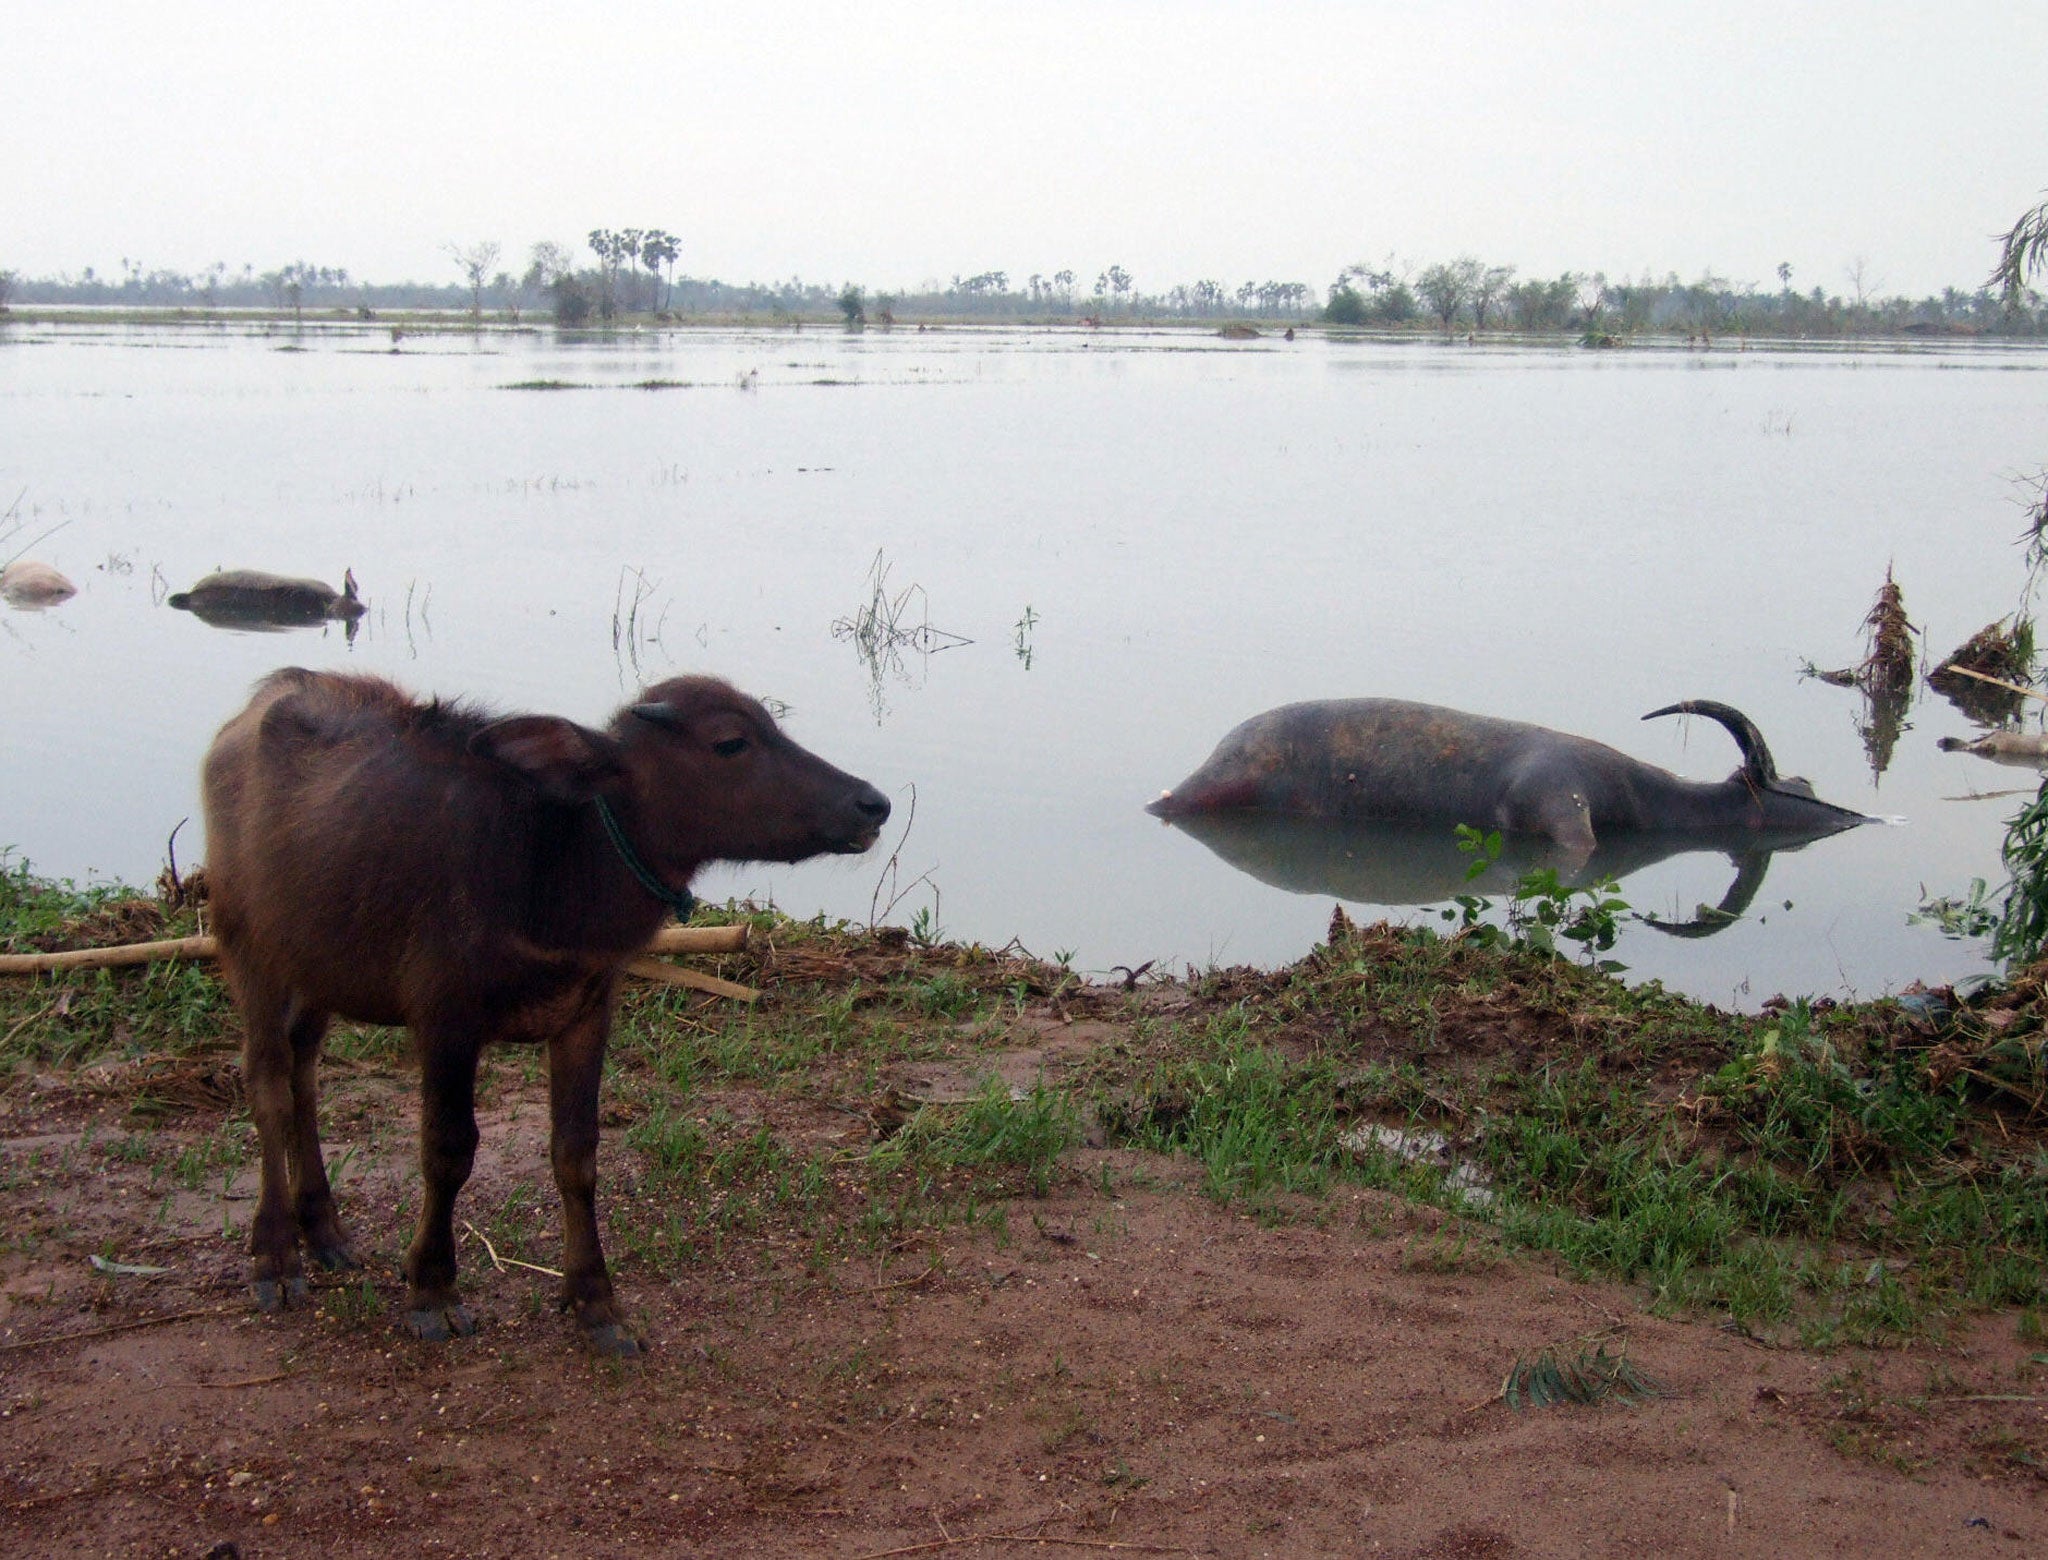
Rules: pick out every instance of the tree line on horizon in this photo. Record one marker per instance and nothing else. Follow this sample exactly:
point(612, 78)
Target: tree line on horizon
point(632, 276)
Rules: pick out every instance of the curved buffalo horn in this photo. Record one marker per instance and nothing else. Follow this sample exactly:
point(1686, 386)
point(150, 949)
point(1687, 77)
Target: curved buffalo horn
point(659, 715)
point(1757, 766)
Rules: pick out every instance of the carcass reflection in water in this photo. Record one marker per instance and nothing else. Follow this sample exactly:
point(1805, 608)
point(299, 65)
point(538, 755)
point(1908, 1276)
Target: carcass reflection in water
point(1403, 864)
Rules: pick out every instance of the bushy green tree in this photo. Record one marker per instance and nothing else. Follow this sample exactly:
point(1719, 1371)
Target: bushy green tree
point(1447, 289)
point(1346, 306)
point(573, 303)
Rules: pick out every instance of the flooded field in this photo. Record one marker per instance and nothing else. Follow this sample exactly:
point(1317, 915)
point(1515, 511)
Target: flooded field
point(1024, 580)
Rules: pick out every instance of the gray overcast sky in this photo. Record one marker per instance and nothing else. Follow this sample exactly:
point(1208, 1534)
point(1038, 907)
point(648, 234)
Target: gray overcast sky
point(894, 142)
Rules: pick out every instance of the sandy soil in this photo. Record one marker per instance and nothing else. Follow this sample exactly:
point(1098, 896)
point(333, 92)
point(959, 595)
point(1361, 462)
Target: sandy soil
point(1121, 1366)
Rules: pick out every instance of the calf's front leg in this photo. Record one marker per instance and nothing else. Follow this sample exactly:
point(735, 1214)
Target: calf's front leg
point(434, 1308)
point(575, 1065)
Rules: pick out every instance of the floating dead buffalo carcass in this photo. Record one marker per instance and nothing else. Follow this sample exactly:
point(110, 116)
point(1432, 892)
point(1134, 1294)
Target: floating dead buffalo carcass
point(2026, 748)
point(27, 584)
point(1393, 760)
point(251, 599)
point(476, 879)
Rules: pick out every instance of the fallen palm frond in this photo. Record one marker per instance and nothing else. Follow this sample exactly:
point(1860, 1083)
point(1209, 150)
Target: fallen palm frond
point(1594, 1377)
point(2021, 250)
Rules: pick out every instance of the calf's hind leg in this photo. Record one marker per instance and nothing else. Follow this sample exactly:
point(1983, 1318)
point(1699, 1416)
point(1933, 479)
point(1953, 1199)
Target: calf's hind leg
point(312, 1196)
point(277, 1033)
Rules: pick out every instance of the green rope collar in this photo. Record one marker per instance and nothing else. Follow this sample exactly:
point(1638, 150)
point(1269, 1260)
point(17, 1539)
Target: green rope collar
point(681, 901)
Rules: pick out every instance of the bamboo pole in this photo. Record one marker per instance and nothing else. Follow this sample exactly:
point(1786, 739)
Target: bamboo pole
point(1996, 682)
point(699, 939)
point(676, 939)
point(676, 975)
point(108, 958)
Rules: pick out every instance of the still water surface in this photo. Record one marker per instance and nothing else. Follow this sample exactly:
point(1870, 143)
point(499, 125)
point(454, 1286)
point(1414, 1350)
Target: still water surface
point(1143, 538)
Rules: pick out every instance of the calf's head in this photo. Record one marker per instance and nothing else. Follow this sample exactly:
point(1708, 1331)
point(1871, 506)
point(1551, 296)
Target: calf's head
point(705, 773)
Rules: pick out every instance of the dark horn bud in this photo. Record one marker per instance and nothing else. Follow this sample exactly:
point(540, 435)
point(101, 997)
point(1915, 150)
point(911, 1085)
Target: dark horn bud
point(658, 714)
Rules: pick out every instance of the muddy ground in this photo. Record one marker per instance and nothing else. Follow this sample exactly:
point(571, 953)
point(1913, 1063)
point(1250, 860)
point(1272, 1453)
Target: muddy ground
point(1119, 1365)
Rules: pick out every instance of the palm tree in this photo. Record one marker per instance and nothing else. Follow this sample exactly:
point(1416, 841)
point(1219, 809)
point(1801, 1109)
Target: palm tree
point(2021, 252)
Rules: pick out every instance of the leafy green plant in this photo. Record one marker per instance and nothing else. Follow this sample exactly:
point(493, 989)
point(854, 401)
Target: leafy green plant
point(943, 994)
point(2023, 923)
point(31, 906)
point(1971, 915)
point(1540, 909)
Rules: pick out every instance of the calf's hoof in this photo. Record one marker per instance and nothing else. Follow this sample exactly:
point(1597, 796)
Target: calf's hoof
point(614, 1341)
point(273, 1294)
point(334, 1256)
point(439, 1323)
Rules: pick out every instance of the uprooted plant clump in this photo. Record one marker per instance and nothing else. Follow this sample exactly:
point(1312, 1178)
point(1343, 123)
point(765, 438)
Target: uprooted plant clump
point(2003, 653)
point(1884, 675)
point(946, 1237)
point(1887, 664)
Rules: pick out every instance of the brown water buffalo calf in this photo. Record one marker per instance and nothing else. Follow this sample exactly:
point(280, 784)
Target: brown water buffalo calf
point(476, 879)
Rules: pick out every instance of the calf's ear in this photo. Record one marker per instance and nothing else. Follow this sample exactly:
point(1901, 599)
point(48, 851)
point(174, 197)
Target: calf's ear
point(565, 762)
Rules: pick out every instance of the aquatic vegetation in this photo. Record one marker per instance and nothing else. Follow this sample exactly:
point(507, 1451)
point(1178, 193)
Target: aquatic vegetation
point(882, 630)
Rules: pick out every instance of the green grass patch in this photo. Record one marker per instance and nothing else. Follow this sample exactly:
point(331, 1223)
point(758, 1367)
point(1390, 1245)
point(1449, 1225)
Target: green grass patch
point(1591, 1376)
point(996, 1129)
point(1830, 1174)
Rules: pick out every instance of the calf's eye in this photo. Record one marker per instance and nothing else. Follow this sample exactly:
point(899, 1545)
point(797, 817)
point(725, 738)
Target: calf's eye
point(731, 747)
